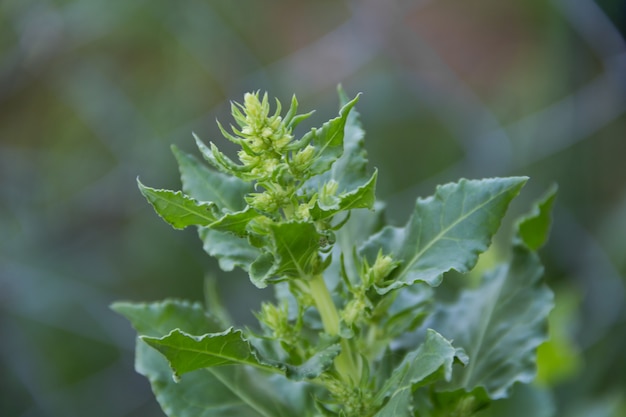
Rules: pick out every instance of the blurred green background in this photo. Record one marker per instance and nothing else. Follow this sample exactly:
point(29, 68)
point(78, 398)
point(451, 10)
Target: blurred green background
point(93, 92)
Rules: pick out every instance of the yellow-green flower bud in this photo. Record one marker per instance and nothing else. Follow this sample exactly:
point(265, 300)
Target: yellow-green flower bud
point(253, 107)
point(275, 122)
point(276, 319)
point(303, 158)
point(382, 267)
point(267, 132)
point(281, 141)
point(263, 201)
point(303, 212)
point(354, 311)
point(248, 160)
point(271, 200)
point(328, 192)
point(267, 167)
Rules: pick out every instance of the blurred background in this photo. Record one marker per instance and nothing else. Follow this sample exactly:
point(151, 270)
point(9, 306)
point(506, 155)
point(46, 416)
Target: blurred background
point(93, 92)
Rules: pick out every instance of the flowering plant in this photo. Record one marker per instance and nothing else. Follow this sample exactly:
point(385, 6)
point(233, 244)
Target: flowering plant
point(356, 327)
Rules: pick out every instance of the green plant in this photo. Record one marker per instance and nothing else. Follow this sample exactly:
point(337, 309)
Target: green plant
point(356, 328)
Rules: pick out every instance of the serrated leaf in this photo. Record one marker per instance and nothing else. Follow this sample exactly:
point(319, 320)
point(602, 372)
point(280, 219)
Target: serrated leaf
point(205, 184)
point(350, 170)
point(328, 140)
point(232, 391)
point(431, 361)
point(228, 249)
point(235, 222)
point(534, 228)
point(178, 209)
point(188, 353)
point(229, 391)
point(500, 324)
point(361, 197)
point(446, 231)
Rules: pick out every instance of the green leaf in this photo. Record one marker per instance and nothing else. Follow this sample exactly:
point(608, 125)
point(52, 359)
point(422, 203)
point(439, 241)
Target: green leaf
point(525, 400)
point(500, 324)
point(321, 361)
point(408, 310)
point(235, 222)
point(431, 361)
point(205, 184)
point(178, 209)
point(454, 403)
point(328, 140)
point(534, 228)
point(228, 249)
point(188, 353)
point(231, 391)
point(219, 160)
point(362, 197)
point(350, 170)
point(159, 318)
point(296, 247)
point(446, 231)
point(261, 270)
point(294, 253)
point(361, 226)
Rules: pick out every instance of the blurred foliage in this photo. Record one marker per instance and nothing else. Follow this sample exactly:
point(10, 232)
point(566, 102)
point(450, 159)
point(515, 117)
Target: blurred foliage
point(92, 93)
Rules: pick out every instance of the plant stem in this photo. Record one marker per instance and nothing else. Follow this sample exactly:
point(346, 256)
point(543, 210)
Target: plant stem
point(344, 362)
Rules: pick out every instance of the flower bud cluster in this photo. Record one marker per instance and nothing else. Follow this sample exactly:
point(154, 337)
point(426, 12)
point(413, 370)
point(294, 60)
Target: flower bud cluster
point(359, 308)
point(356, 308)
point(272, 199)
point(277, 321)
point(376, 274)
point(263, 138)
point(269, 156)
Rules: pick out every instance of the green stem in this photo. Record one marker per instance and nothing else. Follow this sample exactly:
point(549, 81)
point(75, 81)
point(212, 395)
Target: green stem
point(325, 305)
point(344, 362)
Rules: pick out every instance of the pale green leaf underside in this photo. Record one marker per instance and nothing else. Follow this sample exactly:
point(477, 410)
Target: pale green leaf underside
point(350, 169)
point(204, 184)
point(178, 209)
point(228, 249)
point(328, 140)
point(228, 391)
point(500, 324)
point(233, 391)
point(446, 231)
point(159, 318)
